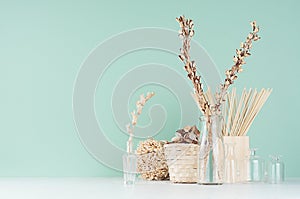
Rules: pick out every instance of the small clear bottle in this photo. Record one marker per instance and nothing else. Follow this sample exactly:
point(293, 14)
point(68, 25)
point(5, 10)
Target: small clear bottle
point(255, 167)
point(275, 171)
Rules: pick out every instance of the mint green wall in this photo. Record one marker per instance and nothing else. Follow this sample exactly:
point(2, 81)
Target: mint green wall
point(44, 43)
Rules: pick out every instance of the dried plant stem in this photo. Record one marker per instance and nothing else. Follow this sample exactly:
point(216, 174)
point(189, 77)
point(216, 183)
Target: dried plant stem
point(186, 33)
point(212, 106)
point(134, 114)
point(238, 59)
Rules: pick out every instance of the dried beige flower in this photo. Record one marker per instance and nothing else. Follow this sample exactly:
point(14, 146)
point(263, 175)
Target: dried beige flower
point(186, 33)
point(189, 134)
point(134, 115)
point(238, 59)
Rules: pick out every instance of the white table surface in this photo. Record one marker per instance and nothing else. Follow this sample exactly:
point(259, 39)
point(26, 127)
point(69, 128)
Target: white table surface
point(100, 188)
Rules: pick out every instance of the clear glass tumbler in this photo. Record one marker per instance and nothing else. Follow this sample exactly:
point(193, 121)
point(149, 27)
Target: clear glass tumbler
point(129, 168)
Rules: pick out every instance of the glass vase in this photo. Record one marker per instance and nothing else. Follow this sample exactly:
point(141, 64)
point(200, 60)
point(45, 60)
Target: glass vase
point(211, 152)
point(129, 168)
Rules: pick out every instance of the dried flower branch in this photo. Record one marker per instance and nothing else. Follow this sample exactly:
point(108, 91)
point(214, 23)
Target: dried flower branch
point(186, 33)
point(238, 59)
point(134, 114)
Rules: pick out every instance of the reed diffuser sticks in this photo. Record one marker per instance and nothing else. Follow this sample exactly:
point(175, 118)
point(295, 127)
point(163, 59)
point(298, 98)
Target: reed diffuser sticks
point(240, 111)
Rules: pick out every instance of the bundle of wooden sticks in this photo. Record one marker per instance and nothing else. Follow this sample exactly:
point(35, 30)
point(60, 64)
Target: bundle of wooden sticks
point(239, 112)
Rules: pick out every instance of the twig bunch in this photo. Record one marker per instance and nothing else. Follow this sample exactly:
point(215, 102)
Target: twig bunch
point(186, 33)
point(134, 114)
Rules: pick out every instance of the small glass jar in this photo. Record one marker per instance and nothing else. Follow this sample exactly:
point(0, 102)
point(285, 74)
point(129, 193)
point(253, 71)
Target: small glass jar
point(129, 168)
point(256, 167)
point(275, 172)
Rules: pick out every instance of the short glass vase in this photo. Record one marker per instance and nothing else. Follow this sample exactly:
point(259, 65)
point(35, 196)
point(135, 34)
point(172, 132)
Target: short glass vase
point(129, 168)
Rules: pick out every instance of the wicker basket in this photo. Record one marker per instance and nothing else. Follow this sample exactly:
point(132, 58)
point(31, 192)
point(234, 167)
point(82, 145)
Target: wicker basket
point(182, 160)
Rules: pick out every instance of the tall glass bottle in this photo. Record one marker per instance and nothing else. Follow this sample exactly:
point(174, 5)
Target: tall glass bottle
point(211, 153)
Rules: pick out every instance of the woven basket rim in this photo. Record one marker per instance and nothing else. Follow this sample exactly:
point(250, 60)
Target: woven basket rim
point(172, 145)
point(167, 144)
